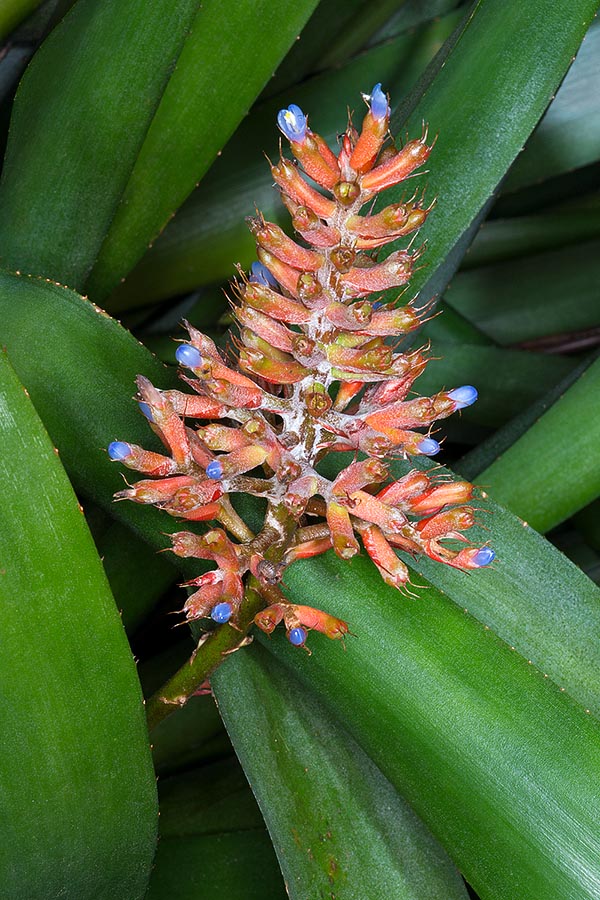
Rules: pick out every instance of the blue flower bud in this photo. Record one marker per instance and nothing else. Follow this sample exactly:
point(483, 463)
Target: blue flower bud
point(297, 636)
point(222, 612)
point(380, 107)
point(119, 450)
point(189, 356)
point(259, 274)
point(292, 123)
point(463, 396)
point(484, 557)
point(214, 470)
point(377, 305)
point(428, 447)
point(146, 410)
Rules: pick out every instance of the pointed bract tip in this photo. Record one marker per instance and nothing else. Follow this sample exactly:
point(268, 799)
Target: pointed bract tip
point(259, 274)
point(428, 447)
point(484, 557)
point(463, 396)
point(221, 613)
point(189, 356)
point(292, 122)
point(378, 102)
point(119, 450)
point(297, 636)
point(214, 470)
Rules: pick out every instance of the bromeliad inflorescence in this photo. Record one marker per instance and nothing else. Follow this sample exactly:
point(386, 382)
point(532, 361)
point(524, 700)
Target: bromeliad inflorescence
point(314, 371)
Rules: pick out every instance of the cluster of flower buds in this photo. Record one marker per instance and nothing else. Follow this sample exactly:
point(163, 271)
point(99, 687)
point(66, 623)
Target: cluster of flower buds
point(314, 371)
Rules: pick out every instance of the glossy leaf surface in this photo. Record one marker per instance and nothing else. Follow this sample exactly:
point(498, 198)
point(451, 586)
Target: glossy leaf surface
point(71, 151)
point(78, 797)
point(336, 823)
point(499, 763)
point(222, 67)
point(555, 460)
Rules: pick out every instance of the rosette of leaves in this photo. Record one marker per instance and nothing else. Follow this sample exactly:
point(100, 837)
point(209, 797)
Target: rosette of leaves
point(456, 735)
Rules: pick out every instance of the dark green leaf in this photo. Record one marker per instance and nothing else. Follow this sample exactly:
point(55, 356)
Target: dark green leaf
point(569, 134)
point(77, 795)
point(504, 239)
point(502, 766)
point(481, 135)
point(507, 380)
point(71, 151)
point(12, 12)
point(226, 60)
point(208, 235)
point(527, 298)
point(552, 470)
point(231, 866)
point(336, 823)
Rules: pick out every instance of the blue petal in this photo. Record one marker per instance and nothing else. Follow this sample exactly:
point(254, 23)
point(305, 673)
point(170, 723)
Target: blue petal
point(146, 410)
point(259, 274)
point(214, 470)
point(221, 613)
point(464, 396)
point(119, 450)
point(484, 557)
point(189, 356)
point(297, 636)
point(428, 447)
point(379, 103)
point(292, 123)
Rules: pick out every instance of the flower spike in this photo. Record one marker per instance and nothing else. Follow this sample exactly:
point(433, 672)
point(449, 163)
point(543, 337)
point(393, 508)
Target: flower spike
point(313, 370)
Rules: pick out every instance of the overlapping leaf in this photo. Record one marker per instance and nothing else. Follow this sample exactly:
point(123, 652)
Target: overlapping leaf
point(336, 823)
point(78, 797)
point(89, 159)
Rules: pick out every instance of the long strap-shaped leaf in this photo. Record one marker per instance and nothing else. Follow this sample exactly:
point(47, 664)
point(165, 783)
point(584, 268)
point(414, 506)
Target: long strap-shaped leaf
point(229, 55)
point(522, 299)
point(128, 126)
point(478, 137)
point(95, 386)
point(336, 823)
point(208, 235)
point(71, 150)
point(500, 764)
point(77, 793)
point(553, 469)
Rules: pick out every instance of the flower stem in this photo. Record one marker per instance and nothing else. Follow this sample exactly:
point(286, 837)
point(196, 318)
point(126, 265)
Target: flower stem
point(210, 653)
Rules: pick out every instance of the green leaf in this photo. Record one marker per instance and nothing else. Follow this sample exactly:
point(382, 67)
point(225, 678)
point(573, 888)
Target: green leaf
point(552, 471)
point(480, 136)
point(208, 235)
point(80, 366)
point(507, 380)
point(237, 865)
point(71, 151)
point(12, 12)
point(540, 295)
point(474, 463)
point(138, 576)
point(212, 798)
point(226, 60)
point(553, 621)
point(504, 239)
point(337, 824)
point(569, 134)
point(213, 843)
point(77, 792)
point(502, 766)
